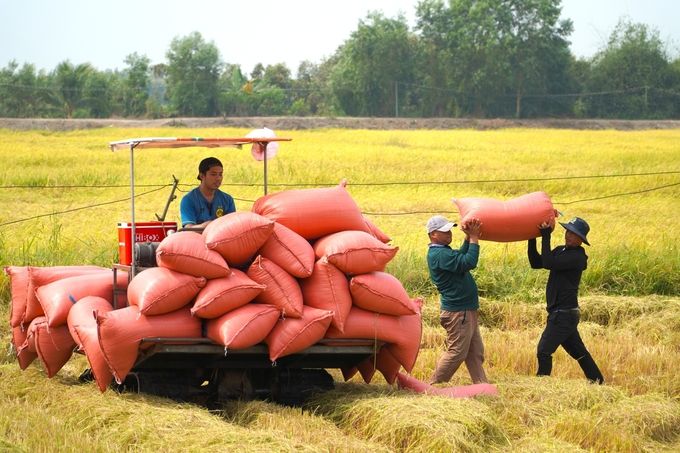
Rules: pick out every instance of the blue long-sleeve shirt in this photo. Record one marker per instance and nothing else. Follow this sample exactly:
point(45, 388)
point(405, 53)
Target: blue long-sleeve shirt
point(450, 273)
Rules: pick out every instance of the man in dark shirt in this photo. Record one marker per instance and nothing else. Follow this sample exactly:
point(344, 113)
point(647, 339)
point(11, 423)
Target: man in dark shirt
point(566, 264)
point(450, 272)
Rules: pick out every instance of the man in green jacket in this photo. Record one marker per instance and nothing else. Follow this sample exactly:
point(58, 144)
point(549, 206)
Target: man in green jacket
point(459, 299)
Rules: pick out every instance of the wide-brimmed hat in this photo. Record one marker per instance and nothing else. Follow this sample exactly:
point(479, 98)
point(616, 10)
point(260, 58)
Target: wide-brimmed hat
point(579, 227)
point(439, 223)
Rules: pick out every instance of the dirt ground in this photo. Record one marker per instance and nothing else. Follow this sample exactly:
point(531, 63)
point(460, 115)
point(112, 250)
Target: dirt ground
point(297, 123)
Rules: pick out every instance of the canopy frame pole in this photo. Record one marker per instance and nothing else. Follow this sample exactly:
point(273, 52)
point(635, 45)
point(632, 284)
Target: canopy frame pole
point(264, 146)
point(133, 231)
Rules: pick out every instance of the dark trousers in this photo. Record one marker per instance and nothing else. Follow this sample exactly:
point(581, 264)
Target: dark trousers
point(562, 330)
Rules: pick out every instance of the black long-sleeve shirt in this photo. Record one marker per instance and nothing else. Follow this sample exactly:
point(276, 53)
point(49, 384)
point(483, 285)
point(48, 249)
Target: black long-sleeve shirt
point(566, 264)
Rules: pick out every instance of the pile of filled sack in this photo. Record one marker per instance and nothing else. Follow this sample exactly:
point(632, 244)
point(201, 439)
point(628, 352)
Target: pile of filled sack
point(302, 266)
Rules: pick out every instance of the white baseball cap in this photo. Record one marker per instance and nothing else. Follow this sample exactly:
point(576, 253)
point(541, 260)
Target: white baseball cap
point(439, 223)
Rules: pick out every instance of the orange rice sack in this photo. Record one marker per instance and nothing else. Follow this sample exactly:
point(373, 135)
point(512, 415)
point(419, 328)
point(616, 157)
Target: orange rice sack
point(40, 276)
point(375, 231)
point(383, 361)
point(58, 297)
point(354, 252)
point(281, 289)
point(237, 236)
point(312, 213)
point(25, 354)
point(328, 289)
point(19, 279)
point(289, 250)
point(367, 369)
point(120, 333)
point(403, 331)
point(508, 221)
point(382, 293)
point(348, 372)
point(221, 295)
point(82, 324)
point(387, 364)
point(54, 345)
point(293, 335)
point(186, 252)
point(159, 290)
point(83, 314)
point(243, 327)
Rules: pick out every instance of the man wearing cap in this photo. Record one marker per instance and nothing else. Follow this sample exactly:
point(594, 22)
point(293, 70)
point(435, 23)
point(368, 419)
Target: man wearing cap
point(566, 264)
point(206, 202)
point(459, 299)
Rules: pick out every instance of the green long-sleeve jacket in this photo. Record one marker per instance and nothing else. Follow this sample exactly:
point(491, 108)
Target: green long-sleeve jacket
point(450, 273)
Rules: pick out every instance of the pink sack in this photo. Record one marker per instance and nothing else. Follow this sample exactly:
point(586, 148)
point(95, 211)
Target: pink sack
point(461, 391)
point(293, 335)
point(281, 289)
point(237, 236)
point(382, 293)
point(58, 297)
point(120, 333)
point(290, 251)
point(328, 289)
point(82, 324)
point(508, 221)
point(158, 290)
point(402, 331)
point(354, 252)
point(186, 252)
point(19, 279)
point(40, 276)
point(221, 295)
point(312, 213)
point(243, 327)
point(25, 353)
point(54, 345)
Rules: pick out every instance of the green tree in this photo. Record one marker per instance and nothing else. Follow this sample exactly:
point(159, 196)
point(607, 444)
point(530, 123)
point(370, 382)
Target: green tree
point(234, 94)
point(70, 81)
point(486, 49)
point(136, 83)
point(97, 92)
point(193, 71)
point(20, 95)
point(380, 53)
point(277, 75)
point(635, 73)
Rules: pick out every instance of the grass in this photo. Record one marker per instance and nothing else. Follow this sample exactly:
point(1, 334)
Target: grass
point(630, 292)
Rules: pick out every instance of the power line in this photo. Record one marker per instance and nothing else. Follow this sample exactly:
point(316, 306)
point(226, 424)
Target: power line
point(78, 209)
point(81, 186)
point(403, 213)
point(386, 183)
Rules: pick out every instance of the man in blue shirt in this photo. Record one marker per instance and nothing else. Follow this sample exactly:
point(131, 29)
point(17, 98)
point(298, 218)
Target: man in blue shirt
point(206, 202)
point(450, 272)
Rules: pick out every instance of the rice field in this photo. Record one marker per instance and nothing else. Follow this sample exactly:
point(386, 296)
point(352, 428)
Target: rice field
point(62, 194)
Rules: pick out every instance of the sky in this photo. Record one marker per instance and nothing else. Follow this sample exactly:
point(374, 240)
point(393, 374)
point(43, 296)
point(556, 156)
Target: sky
point(102, 33)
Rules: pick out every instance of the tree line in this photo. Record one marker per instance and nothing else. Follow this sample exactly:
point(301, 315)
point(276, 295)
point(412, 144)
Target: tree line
point(463, 58)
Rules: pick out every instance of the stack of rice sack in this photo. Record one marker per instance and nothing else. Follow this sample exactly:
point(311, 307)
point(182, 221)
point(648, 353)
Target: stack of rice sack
point(347, 277)
point(302, 266)
point(42, 298)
